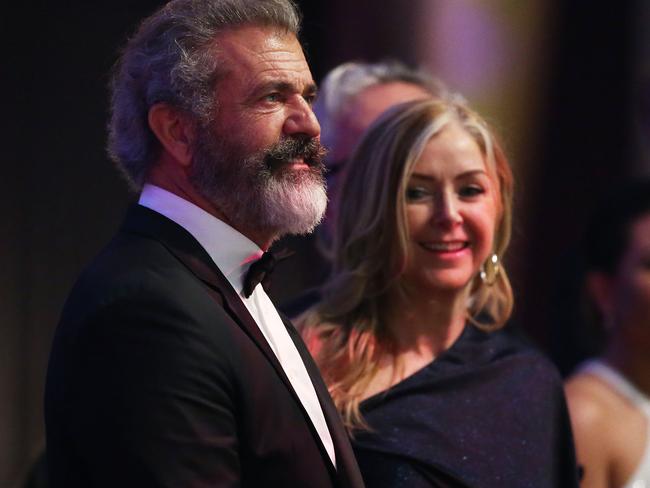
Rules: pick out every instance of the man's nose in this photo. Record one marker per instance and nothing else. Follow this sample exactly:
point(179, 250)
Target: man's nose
point(301, 119)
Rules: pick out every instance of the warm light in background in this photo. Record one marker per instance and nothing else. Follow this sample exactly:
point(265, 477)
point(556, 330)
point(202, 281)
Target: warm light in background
point(494, 53)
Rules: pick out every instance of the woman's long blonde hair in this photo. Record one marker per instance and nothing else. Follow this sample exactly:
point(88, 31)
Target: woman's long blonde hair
point(369, 248)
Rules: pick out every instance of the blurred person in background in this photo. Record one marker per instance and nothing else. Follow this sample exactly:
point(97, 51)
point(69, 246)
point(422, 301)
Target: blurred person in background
point(409, 333)
point(350, 98)
point(609, 397)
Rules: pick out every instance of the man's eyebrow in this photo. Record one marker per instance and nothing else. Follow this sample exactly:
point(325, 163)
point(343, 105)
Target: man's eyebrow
point(286, 87)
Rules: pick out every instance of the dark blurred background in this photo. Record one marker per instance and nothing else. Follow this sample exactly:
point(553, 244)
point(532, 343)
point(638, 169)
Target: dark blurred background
point(565, 82)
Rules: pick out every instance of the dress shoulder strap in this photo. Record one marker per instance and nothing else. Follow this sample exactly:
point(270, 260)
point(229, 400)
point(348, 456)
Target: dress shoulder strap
point(619, 382)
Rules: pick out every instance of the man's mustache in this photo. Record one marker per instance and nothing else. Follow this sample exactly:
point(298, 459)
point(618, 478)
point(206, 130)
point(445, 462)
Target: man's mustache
point(309, 150)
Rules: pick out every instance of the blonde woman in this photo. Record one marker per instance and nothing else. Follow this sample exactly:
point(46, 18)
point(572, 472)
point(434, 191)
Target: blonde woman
point(408, 333)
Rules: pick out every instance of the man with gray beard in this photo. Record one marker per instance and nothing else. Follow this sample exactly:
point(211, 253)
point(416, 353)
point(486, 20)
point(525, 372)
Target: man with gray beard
point(170, 366)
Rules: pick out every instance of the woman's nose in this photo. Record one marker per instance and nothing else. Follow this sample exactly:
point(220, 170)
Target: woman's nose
point(446, 210)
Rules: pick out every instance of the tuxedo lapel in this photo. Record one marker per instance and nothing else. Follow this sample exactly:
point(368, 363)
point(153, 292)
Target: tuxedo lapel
point(347, 468)
point(143, 221)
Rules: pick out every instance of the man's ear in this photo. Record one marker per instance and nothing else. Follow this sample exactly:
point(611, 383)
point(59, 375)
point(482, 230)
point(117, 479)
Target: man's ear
point(174, 130)
point(600, 289)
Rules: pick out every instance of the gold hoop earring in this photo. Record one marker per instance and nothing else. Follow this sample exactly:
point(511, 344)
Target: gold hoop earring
point(490, 270)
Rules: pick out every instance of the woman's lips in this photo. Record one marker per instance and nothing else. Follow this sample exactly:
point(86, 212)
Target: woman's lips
point(445, 247)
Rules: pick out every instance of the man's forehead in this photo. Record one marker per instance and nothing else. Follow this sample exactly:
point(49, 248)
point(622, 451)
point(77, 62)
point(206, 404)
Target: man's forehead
point(261, 52)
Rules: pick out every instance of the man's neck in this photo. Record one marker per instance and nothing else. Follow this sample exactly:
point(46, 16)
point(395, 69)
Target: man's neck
point(187, 192)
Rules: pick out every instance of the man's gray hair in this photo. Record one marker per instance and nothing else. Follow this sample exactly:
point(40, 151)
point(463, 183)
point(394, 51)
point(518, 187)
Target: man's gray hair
point(349, 79)
point(173, 58)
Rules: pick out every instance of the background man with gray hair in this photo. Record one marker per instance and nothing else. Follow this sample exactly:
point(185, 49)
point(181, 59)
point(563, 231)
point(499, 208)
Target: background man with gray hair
point(171, 367)
point(352, 96)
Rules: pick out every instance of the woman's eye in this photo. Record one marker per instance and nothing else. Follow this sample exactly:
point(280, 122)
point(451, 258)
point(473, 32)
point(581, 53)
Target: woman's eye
point(471, 191)
point(416, 193)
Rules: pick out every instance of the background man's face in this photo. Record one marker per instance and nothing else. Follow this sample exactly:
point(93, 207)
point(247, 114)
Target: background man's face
point(365, 108)
point(260, 160)
point(360, 113)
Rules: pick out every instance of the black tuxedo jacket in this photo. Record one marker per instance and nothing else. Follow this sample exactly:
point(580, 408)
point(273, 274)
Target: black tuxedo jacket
point(159, 377)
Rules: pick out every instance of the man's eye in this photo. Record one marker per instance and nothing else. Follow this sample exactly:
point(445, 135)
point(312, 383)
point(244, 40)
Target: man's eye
point(272, 97)
point(417, 193)
point(310, 99)
point(471, 191)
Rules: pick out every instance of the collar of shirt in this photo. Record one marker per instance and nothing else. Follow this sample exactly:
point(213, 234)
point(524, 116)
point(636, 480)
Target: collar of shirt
point(230, 250)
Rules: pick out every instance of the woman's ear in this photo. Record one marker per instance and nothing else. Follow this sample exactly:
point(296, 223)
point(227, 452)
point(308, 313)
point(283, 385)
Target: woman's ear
point(600, 289)
point(174, 130)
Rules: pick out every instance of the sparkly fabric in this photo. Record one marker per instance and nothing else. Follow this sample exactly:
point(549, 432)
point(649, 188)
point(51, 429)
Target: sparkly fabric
point(489, 412)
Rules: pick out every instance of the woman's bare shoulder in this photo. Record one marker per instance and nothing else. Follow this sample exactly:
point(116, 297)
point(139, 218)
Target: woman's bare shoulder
point(593, 408)
point(591, 401)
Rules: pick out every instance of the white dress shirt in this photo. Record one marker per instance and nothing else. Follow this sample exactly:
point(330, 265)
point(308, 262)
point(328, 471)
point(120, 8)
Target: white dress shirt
point(233, 252)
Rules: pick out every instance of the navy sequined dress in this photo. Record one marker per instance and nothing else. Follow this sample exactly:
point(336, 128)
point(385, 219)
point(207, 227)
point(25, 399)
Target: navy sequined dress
point(489, 412)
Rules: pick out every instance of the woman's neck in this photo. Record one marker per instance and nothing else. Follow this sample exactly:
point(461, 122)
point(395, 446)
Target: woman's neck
point(420, 328)
point(426, 324)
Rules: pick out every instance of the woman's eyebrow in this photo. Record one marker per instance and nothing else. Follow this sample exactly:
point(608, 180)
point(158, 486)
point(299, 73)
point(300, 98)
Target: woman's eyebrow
point(464, 174)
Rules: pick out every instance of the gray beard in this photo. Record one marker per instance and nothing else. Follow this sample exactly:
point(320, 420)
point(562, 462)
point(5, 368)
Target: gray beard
point(251, 195)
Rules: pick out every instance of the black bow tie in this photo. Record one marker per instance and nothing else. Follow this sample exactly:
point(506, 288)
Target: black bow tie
point(260, 271)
